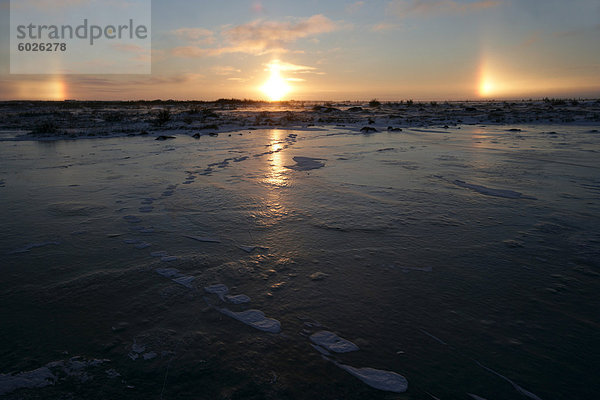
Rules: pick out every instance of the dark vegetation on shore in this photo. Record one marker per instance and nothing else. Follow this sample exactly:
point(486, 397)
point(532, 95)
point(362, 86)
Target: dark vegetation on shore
point(72, 118)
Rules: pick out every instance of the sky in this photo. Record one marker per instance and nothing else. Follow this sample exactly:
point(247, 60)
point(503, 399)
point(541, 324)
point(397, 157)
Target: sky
point(345, 50)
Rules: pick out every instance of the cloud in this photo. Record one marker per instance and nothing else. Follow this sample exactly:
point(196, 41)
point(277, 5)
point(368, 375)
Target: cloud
point(580, 31)
point(288, 67)
point(384, 26)
point(138, 52)
point(129, 48)
point(265, 35)
point(262, 37)
point(195, 35)
point(354, 7)
point(225, 70)
point(405, 8)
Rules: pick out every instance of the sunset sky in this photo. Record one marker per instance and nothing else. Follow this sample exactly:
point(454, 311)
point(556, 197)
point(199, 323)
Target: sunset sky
point(347, 50)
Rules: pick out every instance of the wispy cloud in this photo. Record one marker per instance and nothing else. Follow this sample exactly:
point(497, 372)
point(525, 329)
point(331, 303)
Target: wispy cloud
point(195, 35)
point(262, 37)
point(225, 70)
point(405, 8)
point(354, 7)
point(288, 67)
point(384, 26)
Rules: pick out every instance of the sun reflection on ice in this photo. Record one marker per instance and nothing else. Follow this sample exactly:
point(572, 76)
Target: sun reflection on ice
point(276, 175)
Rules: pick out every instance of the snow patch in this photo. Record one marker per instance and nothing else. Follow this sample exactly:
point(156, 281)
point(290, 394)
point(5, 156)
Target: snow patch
point(333, 342)
point(255, 319)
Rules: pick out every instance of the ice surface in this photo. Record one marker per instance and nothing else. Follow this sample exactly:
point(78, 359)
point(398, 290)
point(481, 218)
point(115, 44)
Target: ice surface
point(343, 219)
point(306, 163)
point(474, 396)
point(404, 268)
point(378, 379)
point(159, 254)
point(203, 239)
point(333, 342)
point(508, 194)
point(518, 388)
point(437, 339)
point(169, 259)
point(30, 246)
point(238, 299)
point(142, 245)
point(250, 249)
point(255, 319)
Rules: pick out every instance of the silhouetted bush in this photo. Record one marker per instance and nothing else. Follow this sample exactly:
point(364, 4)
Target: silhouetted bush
point(45, 127)
point(162, 117)
point(374, 103)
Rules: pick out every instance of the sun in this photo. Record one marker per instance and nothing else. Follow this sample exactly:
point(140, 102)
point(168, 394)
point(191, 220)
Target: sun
point(486, 87)
point(276, 87)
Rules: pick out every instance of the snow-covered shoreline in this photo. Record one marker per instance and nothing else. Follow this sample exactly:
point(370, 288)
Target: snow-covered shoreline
point(73, 120)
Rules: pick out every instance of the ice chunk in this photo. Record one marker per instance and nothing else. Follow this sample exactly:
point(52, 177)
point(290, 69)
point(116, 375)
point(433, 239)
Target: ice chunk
point(138, 348)
point(218, 289)
point(168, 272)
point(255, 319)
point(508, 194)
point(333, 342)
point(203, 239)
point(378, 379)
point(318, 276)
point(185, 281)
point(149, 356)
point(159, 254)
point(306, 163)
point(112, 373)
point(37, 378)
point(239, 299)
point(168, 259)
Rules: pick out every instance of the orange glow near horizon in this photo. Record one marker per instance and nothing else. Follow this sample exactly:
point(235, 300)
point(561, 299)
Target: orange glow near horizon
point(54, 89)
point(276, 87)
point(488, 80)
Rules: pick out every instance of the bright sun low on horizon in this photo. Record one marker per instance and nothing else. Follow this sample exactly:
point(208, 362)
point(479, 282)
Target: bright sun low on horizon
point(276, 87)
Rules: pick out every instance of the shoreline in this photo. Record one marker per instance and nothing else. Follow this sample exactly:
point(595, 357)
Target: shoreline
point(54, 121)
